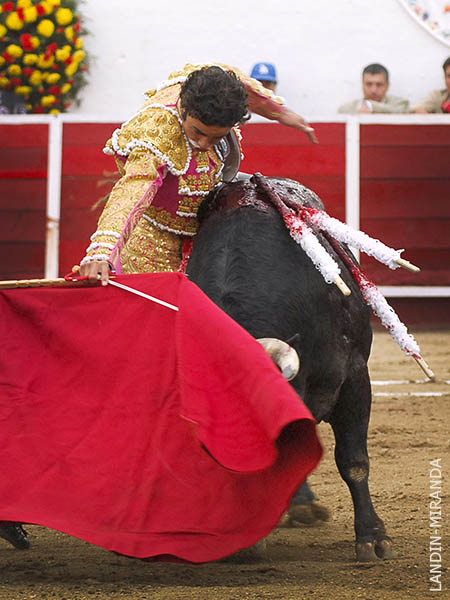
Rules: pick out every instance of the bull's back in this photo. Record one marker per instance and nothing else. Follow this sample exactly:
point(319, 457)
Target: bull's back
point(245, 260)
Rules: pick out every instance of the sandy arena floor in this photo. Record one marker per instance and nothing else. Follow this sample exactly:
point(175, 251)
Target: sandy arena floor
point(409, 428)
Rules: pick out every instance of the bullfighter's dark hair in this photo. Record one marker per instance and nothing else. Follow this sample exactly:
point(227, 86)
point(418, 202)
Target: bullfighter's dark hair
point(214, 96)
point(375, 69)
point(446, 64)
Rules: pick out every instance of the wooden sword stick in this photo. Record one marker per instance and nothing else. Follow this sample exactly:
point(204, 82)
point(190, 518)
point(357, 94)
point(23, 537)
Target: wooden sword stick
point(27, 283)
point(33, 283)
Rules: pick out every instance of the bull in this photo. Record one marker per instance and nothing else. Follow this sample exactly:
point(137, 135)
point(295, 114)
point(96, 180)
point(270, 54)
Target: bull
point(245, 260)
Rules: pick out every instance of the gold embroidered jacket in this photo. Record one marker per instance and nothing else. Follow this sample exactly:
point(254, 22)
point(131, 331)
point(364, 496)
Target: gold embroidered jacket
point(163, 181)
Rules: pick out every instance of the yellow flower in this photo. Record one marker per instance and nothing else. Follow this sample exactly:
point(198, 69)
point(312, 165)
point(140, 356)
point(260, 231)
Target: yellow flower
point(14, 50)
point(36, 78)
point(14, 22)
point(66, 88)
point(53, 78)
point(46, 27)
point(3, 30)
point(71, 69)
point(45, 63)
point(79, 43)
point(23, 3)
point(55, 111)
point(1, 9)
point(47, 7)
point(23, 90)
point(29, 107)
point(4, 81)
point(30, 59)
point(64, 16)
point(55, 3)
point(31, 14)
point(14, 70)
point(69, 33)
point(79, 55)
point(63, 53)
point(45, 75)
point(35, 41)
point(2, 61)
point(48, 100)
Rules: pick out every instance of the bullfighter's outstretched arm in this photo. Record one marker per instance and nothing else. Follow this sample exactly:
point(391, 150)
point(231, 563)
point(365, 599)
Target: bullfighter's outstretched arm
point(265, 103)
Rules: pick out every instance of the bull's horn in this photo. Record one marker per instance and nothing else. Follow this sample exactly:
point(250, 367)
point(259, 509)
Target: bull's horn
point(283, 355)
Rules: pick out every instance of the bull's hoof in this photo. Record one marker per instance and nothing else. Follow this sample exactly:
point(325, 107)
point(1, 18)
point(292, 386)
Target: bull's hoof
point(384, 549)
point(320, 512)
point(285, 521)
point(365, 552)
point(373, 551)
point(254, 553)
point(300, 515)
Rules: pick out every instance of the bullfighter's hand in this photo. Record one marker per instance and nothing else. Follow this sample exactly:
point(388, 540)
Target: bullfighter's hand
point(95, 268)
point(292, 119)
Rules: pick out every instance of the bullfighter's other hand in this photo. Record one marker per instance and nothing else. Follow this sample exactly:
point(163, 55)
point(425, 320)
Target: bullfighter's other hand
point(96, 270)
point(292, 119)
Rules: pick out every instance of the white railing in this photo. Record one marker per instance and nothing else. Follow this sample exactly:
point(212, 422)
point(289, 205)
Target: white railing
point(352, 175)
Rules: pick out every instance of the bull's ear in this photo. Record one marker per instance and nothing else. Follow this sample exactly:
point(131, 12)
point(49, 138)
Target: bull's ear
point(293, 340)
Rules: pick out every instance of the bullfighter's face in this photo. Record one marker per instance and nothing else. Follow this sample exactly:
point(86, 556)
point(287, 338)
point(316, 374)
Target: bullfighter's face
point(202, 137)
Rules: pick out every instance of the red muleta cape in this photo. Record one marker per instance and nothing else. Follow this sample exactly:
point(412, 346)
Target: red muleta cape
point(149, 432)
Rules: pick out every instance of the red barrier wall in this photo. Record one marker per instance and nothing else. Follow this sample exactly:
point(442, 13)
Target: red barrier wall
point(23, 185)
point(273, 149)
point(85, 171)
point(405, 199)
point(405, 185)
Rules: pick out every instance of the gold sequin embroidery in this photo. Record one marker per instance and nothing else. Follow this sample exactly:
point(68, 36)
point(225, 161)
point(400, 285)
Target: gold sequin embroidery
point(151, 250)
point(177, 223)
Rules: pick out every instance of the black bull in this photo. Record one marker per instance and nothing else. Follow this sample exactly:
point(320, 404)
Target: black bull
point(245, 260)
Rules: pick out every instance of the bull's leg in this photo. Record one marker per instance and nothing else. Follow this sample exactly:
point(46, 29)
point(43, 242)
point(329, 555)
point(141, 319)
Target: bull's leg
point(350, 421)
point(304, 509)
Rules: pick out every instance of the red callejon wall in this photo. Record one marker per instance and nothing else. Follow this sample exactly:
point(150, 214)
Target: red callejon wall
point(87, 176)
point(405, 191)
point(405, 199)
point(275, 150)
point(23, 181)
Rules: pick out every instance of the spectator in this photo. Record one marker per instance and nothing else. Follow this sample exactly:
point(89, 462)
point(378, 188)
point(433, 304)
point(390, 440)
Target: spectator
point(266, 74)
point(11, 103)
point(375, 82)
point(437, 101)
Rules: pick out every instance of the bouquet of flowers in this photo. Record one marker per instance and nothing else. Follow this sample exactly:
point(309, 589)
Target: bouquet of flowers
point(41, 53)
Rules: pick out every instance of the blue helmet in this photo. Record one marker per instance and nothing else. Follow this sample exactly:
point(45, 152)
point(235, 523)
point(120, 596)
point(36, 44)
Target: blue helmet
point(264, 72)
